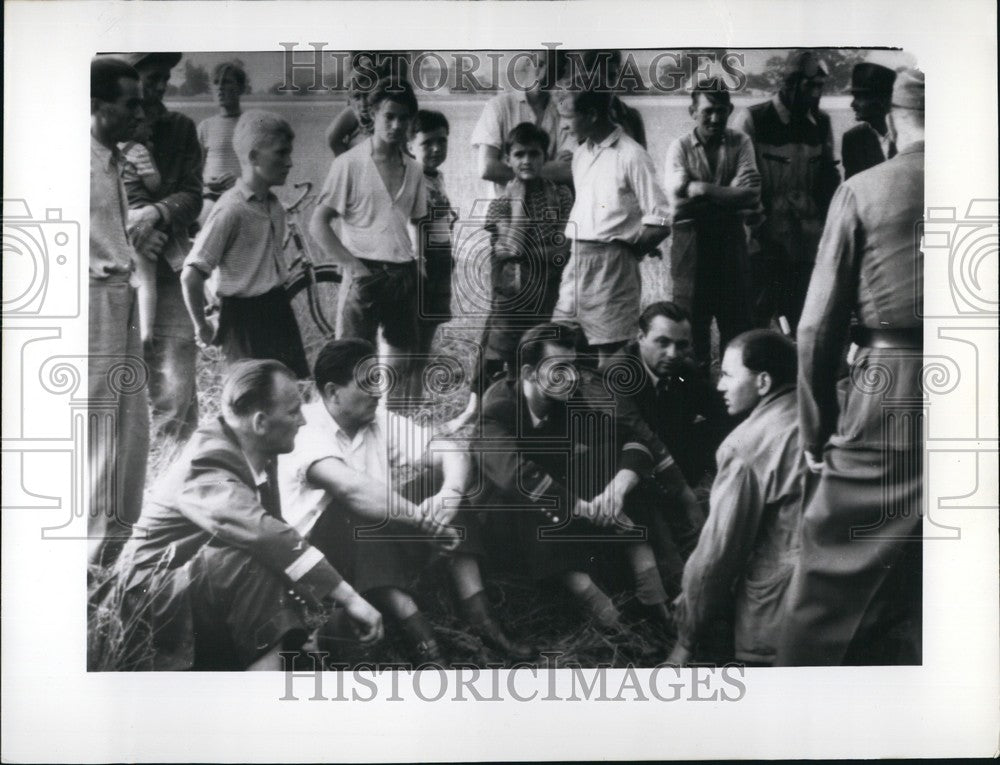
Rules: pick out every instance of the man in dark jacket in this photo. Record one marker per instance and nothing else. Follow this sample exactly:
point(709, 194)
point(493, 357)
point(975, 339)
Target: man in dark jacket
point(213, 577)
point(868, 143)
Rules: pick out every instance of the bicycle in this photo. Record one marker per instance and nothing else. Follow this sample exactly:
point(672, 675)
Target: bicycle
point(307, 277)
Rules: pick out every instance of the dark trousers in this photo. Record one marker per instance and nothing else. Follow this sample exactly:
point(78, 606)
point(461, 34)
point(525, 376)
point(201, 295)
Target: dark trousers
point(855, 596)
point(711, 278)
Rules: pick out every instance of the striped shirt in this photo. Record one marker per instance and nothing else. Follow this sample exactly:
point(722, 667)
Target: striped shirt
point(215, 135)
point(243, 238)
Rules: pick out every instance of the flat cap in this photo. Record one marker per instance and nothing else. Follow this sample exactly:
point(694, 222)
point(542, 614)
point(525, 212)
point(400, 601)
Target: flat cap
point(908, 91)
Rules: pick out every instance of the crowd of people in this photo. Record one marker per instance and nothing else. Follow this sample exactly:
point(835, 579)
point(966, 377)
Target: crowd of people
point(591, 421)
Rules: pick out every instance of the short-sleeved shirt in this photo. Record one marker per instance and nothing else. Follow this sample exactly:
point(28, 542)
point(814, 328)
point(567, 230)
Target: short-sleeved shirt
point(390, 450)
point(616, 191)
point(111, 250)
point(376, 226)
point(243, 238)
point(215, 135)
point(508, 110)
point(687, 160)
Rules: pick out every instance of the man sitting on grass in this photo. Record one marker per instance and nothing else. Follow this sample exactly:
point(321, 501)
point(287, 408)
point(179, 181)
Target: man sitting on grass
point(212, 577)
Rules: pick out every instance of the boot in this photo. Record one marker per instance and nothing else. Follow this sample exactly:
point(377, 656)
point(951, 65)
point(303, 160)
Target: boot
point(476, 612)
point(422, 646)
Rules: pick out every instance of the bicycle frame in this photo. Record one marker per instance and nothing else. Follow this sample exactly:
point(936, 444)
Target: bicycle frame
point(303, 260)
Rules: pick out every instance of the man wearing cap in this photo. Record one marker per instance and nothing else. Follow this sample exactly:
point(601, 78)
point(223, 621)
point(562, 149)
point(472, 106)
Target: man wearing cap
point(855, 596)
point(869, 142)
point(177, 155)
point(794, 145)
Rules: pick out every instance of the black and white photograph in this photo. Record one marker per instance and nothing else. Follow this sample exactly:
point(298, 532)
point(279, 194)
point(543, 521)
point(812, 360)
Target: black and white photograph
point(566, 368)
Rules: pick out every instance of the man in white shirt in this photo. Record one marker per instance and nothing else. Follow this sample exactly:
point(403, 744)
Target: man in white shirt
point(372, 489)
point(620, 215)
point(502, 113)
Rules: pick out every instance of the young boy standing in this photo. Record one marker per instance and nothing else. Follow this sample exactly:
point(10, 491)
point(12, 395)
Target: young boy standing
point(528, 251)
point(620, 214)
point(377, 191)
point(429, 145)
point(243, 238)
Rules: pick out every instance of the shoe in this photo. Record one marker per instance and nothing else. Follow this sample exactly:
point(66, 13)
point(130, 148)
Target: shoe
point(482, 624)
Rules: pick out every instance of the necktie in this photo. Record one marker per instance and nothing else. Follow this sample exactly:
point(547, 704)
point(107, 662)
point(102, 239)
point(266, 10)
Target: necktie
point(269, 498)
point(892, 150)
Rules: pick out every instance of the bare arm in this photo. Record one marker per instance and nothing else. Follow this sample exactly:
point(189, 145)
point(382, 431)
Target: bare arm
point(650, 237)
point(363, 494)
point(492, 167)
point(323, 234)
point(732, 197)
point(343, 125)
point(193, 288)
point(558, 170)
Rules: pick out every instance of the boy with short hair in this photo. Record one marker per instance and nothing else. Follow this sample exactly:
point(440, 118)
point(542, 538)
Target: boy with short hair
point(429, 146)
point(620, 215)
point(528, 251)
point(377, 191)
point(243, 239)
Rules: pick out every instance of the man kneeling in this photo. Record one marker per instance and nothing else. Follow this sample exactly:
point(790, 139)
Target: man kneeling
point(212, 577)
point(747, 551)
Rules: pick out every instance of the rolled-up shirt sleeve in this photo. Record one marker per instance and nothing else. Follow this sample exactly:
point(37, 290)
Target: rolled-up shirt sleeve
point(675, 171)
point(652, 201)
point(487, 129)
point(747, 175)
point(214, 240)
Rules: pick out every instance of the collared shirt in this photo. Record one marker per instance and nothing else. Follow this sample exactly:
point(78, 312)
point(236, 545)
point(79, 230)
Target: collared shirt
point(376, 226)
point(687, 160)
point(389, 450)
point(616, 191)
point(242, 238)
point(111, 250)
point(508, 110)
point(751, 535)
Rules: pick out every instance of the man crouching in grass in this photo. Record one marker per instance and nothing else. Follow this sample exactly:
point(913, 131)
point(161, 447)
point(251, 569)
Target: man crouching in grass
point(212, 577)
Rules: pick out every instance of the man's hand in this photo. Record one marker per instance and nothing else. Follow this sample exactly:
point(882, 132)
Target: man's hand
point(141, 226)
point(815, 465)
point(696, 189)
point(366, 621)
point(204, 335)
point(436, 512)
point(679, 657)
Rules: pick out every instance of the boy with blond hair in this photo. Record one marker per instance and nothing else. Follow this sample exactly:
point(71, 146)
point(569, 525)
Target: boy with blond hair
point(243, 238)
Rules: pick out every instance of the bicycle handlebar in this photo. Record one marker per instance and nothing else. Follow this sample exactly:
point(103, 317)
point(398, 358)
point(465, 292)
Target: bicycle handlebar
point(306, 187)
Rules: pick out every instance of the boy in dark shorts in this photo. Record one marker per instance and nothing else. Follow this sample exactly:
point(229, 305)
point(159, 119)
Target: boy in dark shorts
point(528, 250)
point(429, 145)
point(242, 238)
point(377, 191)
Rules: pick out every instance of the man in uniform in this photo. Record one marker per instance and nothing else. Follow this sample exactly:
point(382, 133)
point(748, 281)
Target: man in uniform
point(856, 593)
point(868, 143)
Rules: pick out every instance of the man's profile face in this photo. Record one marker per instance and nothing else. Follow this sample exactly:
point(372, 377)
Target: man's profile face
point(556, 375)
point(357, 402)
point(154, 78)
point(282, 423)
point(738, 385)
point(117, 120)
point(272, 161)
point(868, 108)
point(666, 345)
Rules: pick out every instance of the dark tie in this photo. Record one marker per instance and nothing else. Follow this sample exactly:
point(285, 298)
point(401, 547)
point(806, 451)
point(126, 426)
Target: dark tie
point(269, 498)
point(892, 149)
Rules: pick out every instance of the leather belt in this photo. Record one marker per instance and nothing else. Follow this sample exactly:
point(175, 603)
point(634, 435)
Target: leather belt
point(899, 337)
